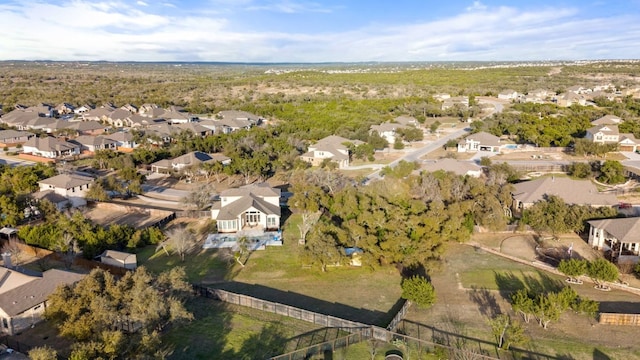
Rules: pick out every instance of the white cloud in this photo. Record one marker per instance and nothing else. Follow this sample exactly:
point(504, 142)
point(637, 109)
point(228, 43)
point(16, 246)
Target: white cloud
point(477, 6)
point(142, 3)
point(113, 30)
point(290, 7)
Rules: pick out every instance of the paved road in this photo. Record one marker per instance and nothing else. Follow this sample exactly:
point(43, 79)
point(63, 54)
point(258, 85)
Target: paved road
point(418, 153)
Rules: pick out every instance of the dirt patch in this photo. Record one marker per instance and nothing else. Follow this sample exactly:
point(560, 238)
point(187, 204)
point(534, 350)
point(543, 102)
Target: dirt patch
point(106, 214)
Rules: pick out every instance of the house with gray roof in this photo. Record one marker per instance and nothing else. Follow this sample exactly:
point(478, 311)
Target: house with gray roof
point(123, 140)
point(95, 143)
point(23, 297)
point(481, 141)
point(50, 147)
point(72, 186)
point(250, 207)
point(621, 235)
point(387, 130)
point(331, 147)
point(14, 137)
point(572, 192)
point(193, 158)
point(607, 120)
point(603, 134)
point(120, 259)
point(243, 117)
point(87, 127)
point(462, 168)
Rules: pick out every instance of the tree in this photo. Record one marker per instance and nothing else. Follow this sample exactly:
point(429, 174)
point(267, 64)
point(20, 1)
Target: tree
point(573, 268)
point(199, 197)
point(43, 353)
point(97, 192)
point(322, 243)
point(601, 270)
point(522, 303)
point(611, 172)
point(506, 331)
point(180, 240)
point(110, 318)
point(419, 290)
point(580, 170)
point(67, 247)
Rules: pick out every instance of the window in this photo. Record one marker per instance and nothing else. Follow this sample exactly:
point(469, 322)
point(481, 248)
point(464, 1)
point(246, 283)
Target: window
point(228, 224)
point(272, 222)
point(252, 217)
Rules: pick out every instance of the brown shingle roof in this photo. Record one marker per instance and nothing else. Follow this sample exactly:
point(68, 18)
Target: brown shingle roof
point(626, 230)
point(578, 192)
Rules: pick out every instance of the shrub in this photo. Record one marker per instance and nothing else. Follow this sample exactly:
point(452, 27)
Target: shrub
point(418, 290)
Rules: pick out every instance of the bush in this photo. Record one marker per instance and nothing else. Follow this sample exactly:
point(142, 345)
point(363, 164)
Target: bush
point(418, 290)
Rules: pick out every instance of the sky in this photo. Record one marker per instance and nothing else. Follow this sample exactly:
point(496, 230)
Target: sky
point(319, 31)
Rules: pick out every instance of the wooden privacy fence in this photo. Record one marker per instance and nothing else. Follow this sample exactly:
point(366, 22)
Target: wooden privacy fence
point(280, 309)
point(619, 319)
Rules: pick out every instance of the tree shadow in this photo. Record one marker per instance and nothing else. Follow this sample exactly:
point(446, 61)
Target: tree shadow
point(599, 355)
point(486, 301)
point(269, 342)
point(206, 336)
point(508, 282)
point(365, 316)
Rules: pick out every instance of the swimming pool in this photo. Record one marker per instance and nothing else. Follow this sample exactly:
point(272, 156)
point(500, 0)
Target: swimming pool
point(510, 146)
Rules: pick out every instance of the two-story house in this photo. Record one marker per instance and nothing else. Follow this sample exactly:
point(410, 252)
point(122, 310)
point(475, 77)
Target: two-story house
point(481, 141)
point(331, 147)
point(255, 206)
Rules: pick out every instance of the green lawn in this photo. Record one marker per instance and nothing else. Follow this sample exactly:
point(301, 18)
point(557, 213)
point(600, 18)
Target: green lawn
point(201, 266)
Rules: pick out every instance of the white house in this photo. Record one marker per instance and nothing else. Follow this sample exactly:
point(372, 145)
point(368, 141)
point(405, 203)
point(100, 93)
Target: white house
point(603, 134)
point(72, 186)
point(621, 235)
point(255, 206)
point(50, 147)
point(481, 141)
point(387, 131)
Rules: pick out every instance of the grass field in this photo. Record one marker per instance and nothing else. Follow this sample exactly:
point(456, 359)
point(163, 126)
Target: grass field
point(472, 285)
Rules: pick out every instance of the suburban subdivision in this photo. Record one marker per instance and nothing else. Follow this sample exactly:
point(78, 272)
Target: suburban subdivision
point(333, 211)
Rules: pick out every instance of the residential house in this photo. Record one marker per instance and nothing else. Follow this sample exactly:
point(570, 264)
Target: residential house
point(87, 127)
point(462, 168)
point(195, 128)
point(99, 114)
point(572, 192)
point(83, 109)
point(95, 143)
point(387, 131)
point(14, 137)
point(628, 142)
point(123, 140)
point(407, 121)
point(119, 118)
point(577, 89)
point(240, 117)
point(65, 108)
point(145, 108)
point(508, 94)
point(130, 108)
point(50, 147)
point(178, 117)
point(216, 126)
point(23, 298)
point(331, 147)
point(119, 259)
point(481, 141)
point(43, 109)
point(193, 158)
point(541, 93)
point(461, 101)
point(255, 206)
point(570, 98)
point(72, 186)
point(607, 120)
point(621, 235)
point(603, 134)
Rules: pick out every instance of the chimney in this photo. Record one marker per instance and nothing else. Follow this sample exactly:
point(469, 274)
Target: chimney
point(6, 259)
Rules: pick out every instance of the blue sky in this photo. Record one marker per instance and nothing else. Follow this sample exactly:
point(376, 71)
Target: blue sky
point(319, 31)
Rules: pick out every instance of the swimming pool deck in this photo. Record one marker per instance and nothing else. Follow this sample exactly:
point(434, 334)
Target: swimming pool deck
point(257, 239)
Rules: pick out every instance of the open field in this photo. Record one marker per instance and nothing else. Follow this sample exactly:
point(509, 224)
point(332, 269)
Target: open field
point(474, 285)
